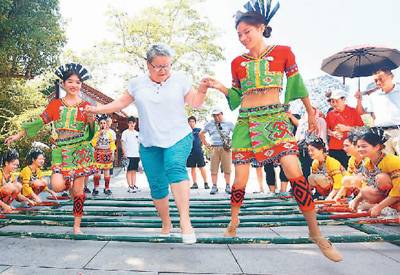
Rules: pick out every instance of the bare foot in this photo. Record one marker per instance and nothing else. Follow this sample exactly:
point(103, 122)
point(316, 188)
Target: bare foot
point(165, 230)
point(77, 231)
point(230, 231)
point(327, 248)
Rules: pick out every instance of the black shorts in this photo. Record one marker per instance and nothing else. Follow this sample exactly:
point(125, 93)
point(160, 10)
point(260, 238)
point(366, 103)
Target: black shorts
point(133, 164)
point(195, 160)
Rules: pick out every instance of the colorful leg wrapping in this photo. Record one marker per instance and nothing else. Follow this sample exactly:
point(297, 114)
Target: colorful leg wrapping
point(107, 182)
point(302, 193)
point(96, 181)
point(78, 205)
point(237, 195)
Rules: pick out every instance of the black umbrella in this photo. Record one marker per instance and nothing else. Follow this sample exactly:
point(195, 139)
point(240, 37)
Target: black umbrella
point(361, 61)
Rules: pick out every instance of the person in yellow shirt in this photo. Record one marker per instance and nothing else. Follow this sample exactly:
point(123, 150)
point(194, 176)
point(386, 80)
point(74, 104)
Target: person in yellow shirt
point(104, 147)
point(382, 174)
point(352, 181)
point(31, 176)
point(326, 172)
point(10, 189)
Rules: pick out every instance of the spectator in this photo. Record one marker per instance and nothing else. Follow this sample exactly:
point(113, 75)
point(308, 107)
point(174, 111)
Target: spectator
point(196, 157)
point(220, 132)
point(339, 122)
point(385, 107)
point(130, 150)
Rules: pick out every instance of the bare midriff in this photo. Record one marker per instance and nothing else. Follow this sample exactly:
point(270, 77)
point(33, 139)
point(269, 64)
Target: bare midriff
point(68, 134)
point(268, 97)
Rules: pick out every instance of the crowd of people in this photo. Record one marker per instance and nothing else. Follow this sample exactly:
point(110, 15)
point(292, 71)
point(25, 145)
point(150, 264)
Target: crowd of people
point(328, 156)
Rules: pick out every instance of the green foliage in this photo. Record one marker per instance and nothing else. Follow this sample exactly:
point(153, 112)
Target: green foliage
point(21, 101)
point(31, 37)
point(176, 23)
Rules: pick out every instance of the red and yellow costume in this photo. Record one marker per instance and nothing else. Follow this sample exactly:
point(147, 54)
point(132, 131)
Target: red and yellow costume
point(332, 170)
point(388, 164)
point(27, 177)
point(104, 147)
point(5, 196)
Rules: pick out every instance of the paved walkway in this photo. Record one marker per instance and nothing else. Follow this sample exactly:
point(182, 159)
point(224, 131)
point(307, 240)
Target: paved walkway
point(48, 256)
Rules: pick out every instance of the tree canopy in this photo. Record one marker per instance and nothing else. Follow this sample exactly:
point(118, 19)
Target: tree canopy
point(31, 37)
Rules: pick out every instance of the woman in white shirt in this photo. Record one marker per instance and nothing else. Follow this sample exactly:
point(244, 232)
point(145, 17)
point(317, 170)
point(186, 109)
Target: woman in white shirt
point(165, 137)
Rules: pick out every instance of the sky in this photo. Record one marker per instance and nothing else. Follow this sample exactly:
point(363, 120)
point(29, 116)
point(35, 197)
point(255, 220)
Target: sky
point(315, 29)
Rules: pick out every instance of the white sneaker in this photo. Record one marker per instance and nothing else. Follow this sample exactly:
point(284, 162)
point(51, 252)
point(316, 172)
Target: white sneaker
point(189, 238)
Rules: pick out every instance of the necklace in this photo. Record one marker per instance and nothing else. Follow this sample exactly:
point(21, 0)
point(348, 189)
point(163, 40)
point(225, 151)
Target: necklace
point(64, 101)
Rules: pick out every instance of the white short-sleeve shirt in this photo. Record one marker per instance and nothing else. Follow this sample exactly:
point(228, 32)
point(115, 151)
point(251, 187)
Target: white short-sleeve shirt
point(130, 139)
point(386, 107)
point(161, 109)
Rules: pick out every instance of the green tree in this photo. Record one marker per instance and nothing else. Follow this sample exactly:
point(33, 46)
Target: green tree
point(31, 37)
point(21, 101)
point(176, 23)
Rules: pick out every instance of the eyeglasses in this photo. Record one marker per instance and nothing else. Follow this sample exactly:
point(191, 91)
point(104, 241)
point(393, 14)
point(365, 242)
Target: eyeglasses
point(219, 126)
point(158, 68)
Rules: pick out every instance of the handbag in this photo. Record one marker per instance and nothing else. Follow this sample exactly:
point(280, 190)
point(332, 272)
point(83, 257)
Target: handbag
point(226, 140)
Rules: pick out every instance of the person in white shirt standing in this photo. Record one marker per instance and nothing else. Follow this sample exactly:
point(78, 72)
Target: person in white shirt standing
point(384, 105)
point(130, 150)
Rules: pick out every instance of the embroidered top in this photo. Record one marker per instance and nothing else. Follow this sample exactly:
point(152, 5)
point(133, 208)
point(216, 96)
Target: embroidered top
point(4, 181)
point(70, 122)
point(354, 168)
point(104, 140)
point(388, 164)
point(27, 177)
point(256, 75)
point(331, 168)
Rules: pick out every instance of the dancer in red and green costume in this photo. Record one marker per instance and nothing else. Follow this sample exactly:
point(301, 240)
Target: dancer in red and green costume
point(263, 131)
point(72, 156)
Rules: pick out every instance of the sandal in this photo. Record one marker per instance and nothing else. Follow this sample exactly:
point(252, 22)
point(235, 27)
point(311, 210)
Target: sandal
point(327, 249)
point(230, 231)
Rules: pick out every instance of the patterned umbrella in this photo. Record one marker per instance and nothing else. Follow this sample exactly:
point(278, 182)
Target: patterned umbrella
point(361, 61)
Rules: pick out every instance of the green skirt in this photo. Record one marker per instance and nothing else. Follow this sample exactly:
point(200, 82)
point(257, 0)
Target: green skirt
point(263, 135)
point(74, 160)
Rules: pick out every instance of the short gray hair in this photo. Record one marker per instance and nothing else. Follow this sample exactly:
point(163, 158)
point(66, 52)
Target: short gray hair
point(159, 50)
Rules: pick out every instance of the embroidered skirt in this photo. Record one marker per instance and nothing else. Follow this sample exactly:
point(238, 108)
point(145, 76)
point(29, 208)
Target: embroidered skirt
point(103, 158)
point(74, 160)
point(263, 135)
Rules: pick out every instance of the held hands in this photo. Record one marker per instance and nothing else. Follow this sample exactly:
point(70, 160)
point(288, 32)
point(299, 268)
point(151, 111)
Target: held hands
point(90, 110)
point(213, 83)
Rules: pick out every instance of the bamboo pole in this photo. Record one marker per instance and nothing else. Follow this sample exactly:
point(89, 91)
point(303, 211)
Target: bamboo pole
point(141, 239)
point(192, 206)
